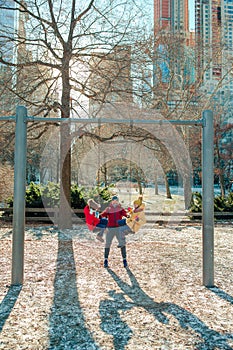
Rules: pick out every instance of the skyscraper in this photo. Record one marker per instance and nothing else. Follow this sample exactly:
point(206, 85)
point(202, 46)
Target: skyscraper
point(214, 32)
point(162, 14)
point(171, 15)
point(173, 40)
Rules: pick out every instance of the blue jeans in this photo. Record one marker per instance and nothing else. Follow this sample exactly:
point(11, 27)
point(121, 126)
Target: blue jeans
point(102, 226)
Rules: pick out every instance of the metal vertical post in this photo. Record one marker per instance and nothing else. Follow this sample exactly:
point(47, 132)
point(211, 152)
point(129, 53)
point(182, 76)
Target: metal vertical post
point(208, 198)
point(19, 196)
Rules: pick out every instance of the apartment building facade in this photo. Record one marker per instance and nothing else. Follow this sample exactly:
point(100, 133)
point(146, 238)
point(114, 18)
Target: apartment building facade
point(171, 15)
point(214, 45)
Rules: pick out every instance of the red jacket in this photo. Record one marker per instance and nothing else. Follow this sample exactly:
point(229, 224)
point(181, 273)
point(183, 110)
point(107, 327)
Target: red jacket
point(113, 214)
point(91, 220)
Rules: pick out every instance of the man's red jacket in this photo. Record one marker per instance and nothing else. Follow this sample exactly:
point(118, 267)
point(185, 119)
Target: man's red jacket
point(114, 213)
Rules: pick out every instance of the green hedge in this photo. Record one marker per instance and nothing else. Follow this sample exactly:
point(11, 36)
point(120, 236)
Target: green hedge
point(50, 194)
point(221, 204)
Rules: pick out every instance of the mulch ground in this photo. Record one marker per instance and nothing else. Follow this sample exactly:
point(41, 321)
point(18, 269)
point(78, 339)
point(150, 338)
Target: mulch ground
point(69, 301)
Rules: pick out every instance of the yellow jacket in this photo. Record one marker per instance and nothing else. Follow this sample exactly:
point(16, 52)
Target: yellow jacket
point(137, 218)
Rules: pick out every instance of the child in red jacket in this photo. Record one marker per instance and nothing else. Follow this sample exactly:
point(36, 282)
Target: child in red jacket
point(93, 221)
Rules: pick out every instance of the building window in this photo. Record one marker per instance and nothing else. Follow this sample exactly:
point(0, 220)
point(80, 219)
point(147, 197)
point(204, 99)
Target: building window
point(219, 14)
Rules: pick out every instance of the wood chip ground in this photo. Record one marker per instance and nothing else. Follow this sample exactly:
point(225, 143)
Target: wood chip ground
point(69, 301)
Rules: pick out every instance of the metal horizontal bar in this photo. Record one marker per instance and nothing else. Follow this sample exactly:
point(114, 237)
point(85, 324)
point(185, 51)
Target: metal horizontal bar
point(106, 121)
point(115, 121)
point(10, 117)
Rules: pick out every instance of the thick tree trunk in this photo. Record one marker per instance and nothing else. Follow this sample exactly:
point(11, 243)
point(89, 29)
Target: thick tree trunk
point(65, 214)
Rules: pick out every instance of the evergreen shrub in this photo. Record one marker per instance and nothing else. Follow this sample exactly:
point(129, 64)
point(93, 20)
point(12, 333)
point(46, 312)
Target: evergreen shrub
point(221, 204)
point(50, 194)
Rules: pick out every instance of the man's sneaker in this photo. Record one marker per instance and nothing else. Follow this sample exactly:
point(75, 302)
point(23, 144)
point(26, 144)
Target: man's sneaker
point(106, 263)
point(100, 239)
point(125, 263)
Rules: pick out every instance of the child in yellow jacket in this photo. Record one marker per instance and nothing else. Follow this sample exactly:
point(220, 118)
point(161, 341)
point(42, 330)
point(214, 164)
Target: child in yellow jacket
point(136, 218)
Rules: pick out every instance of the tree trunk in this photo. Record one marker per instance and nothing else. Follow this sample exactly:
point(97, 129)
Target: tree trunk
point(139, 182)
point(65, 217)
point(222, 184)
point(140, 187)
point(169, 196)
point(187, 191)
point(156, 185)
point(220, 170)
point(65, 214)
point(105, 175)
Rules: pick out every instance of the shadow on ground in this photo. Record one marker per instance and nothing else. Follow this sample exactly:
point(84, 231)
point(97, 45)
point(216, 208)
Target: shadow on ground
point(221, 294)
point(67, 322)
point(121, 332)
point(68, 328)
point(8, 304)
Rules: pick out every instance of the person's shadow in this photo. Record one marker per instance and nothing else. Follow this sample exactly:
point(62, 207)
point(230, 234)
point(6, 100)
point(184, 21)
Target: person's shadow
point(109, 312)
point(67, 323)
point(111, 322)
point(8, 303)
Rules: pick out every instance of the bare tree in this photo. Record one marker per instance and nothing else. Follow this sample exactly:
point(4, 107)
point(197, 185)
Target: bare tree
point(51, 54)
